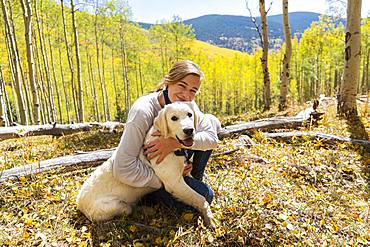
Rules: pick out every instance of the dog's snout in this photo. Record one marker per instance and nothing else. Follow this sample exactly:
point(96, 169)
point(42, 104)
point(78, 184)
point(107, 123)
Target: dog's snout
point(189, 131)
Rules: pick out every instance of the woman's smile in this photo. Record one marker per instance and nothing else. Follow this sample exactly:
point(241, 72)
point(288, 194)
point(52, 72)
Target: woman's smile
point(185, 89)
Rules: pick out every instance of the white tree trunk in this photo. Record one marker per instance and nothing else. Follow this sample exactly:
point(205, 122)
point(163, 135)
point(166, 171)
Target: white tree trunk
point(27, 16)
point(2, 103)
point(264, 58)
point(286, 62)
point(348, 89)
point(80, 101)
point(13, 55)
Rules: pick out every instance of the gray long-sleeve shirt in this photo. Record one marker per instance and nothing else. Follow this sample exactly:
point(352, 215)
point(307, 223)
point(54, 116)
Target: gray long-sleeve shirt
point(127, 167)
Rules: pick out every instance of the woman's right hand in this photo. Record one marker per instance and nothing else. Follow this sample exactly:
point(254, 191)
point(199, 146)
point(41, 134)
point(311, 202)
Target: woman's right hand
point(160, 147)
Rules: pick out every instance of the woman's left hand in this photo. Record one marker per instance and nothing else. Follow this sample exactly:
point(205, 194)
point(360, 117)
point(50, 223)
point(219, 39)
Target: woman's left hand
point(160, 147)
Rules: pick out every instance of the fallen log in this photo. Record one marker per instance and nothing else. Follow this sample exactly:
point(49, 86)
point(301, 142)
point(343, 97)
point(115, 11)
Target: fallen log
point(266, 125)
point(327, 138)
point(308, 116)
point(55, 129)
point(70, 162)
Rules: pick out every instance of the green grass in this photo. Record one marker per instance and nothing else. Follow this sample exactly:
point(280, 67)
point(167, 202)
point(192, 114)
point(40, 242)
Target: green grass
point(308, 193)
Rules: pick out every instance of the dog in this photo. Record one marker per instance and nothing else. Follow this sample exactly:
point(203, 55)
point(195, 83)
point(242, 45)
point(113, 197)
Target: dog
point(102, 197)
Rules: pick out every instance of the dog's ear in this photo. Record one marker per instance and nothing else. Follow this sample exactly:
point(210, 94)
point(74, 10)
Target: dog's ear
point(196, 114)
point(196, 119)
point(160, 123)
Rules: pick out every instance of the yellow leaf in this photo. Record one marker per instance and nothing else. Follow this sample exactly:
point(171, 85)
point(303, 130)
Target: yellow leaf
point(25, 235)
point(29, 222)
point(132, 228)
point(267, 198)
point(83, 244)
point(158, 240)
point(188, 216)
point(266, 182)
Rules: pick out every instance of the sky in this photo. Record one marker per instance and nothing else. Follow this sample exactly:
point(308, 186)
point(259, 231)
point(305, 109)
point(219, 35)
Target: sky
point(152, 11)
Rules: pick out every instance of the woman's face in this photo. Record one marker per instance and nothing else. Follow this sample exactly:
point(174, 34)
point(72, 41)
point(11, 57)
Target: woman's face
point(185, 89)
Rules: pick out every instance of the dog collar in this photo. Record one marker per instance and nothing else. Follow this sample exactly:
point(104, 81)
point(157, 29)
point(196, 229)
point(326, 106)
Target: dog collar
point(167, 100)
point(184, 152)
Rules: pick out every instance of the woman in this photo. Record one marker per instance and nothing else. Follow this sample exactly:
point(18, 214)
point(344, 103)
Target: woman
point(181, 84)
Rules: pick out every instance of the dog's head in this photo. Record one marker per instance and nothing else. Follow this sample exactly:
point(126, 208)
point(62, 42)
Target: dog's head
point(177, 120)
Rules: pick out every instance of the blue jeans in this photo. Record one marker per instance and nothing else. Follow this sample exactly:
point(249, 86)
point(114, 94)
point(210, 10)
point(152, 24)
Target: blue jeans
point(200, 159)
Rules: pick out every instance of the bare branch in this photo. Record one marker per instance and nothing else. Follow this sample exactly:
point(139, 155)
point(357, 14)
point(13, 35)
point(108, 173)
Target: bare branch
point(269, 7)
point(254, 21)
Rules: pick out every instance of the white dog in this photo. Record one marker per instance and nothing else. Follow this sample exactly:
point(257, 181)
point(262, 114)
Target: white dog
point(102, 196)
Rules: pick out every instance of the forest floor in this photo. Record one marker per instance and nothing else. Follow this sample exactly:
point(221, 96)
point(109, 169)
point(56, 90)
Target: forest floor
point(300, 193)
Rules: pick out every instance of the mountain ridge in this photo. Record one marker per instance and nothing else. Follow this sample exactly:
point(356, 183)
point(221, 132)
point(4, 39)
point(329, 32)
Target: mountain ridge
point(239, 32)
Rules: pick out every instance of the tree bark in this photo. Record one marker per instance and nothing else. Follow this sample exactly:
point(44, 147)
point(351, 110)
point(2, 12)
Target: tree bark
point(264, 58)
point(58, 94)
point(44, 99)
point(78, 60)
point(11, 120)
point(25, 89)
point(285, 76)
point(27, 16)
point(348, 89)
point(2, 101)
point(70, 61)
point(45, 62)
point(13, 54)
point(65, 91)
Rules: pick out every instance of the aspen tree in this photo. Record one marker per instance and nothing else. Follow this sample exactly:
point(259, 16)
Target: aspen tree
point(70, 61)
point(15, 63)
point(264, 58)
point(44, 55)
point(285, 76)
point(348, 89)
point(80, 101)
point(27, 17)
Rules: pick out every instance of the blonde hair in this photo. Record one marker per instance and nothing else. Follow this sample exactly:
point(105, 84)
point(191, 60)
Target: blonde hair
point(178, 71)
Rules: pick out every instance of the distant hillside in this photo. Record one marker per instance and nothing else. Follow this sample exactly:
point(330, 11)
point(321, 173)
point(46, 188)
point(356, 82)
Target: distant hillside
point(212, 50)
point(238, 32)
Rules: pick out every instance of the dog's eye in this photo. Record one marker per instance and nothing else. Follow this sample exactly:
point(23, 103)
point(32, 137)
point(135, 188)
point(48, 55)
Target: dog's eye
point(189, 114)
point(174, 118)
